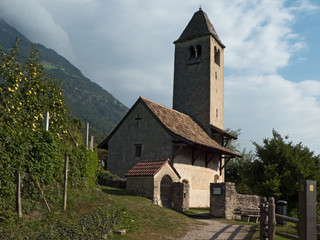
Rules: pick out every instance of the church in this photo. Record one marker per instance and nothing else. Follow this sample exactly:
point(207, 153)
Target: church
point(190, 137)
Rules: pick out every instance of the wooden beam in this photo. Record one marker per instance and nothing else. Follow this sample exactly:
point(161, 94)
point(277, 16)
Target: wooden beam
point(226, 162)
point(208, 159)
point(220, 161)
point(225, 141)
point(174, 154)
point(195, 156)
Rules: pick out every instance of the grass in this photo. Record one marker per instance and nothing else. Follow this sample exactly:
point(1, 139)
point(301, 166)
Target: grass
point(149, 221)
point(101, 213)
point(290, 228)
point(198, 210)
point(96, 214)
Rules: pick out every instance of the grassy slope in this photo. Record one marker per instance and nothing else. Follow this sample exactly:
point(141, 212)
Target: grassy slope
point(142, 219)
point(149, 221)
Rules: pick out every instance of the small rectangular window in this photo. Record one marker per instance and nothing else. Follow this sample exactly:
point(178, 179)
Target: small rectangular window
point(138, 150)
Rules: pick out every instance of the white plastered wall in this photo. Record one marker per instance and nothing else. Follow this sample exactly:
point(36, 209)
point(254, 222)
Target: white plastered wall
point(198, 175)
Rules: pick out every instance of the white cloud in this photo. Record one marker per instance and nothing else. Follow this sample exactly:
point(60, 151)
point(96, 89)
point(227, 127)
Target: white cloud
point(37, 24)
point(258, 104)
point(305, 6)
point(126, 46)
point(257, 35)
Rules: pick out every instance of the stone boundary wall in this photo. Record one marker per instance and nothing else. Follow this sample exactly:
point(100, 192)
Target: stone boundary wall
point(180, 196)
point(141, 186)
point(224, 200)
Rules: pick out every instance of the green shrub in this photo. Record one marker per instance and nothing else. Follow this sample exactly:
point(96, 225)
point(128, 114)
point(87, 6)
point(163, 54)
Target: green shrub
point(26, 93)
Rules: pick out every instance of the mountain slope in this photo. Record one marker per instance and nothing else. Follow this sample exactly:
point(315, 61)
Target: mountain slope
point(87, 100)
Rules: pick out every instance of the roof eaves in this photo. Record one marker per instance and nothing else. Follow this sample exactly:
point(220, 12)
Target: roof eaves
point(223, 132)
point(199, 36)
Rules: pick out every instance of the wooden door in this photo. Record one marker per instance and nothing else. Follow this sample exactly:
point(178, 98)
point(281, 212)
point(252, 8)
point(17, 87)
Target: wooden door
point(166, 191)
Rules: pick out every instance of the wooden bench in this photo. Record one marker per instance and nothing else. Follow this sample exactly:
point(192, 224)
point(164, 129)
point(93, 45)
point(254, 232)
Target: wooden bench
point(248, 214)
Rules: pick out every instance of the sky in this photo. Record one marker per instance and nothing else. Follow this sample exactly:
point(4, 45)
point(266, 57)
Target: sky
point(272, 66)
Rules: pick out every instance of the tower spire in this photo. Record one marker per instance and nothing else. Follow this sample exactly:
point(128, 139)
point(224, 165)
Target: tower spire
point(198, 89)
point(199, 26)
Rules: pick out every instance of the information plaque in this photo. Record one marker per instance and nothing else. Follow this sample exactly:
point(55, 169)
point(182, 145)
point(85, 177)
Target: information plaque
point(216, 191)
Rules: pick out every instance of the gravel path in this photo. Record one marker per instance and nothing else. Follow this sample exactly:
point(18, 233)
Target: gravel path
point(219, 230)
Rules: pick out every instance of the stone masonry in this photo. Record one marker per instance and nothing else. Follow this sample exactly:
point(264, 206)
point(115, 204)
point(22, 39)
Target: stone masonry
point(224, 200)
point(180, 196)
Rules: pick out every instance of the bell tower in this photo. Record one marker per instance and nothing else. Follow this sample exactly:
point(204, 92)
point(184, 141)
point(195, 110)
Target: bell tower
point(198, 89)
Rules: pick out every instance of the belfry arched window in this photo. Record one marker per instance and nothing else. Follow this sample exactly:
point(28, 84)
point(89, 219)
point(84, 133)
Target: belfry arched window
point(198, 51)
point(194, 54)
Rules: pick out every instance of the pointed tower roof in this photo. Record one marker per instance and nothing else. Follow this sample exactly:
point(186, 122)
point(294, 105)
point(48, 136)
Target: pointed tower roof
point(199, 26)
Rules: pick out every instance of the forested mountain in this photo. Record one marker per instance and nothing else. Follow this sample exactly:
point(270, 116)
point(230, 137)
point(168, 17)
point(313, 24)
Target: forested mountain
point(87, 100)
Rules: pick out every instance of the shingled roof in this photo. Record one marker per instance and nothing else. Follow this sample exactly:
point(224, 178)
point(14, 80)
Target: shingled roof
point(177, 124)
point(149, 168)
point(199, 26)
point(184, 127)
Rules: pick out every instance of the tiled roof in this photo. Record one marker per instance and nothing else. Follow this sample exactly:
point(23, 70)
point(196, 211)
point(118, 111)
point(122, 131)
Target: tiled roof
point(184, 127)
point(199, 26)
point(178, 124)
point(148, 168)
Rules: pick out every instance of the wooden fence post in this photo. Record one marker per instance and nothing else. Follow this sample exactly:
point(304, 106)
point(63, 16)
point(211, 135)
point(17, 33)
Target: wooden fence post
point(19, 208)
point(307, 210)
point(43, 195)
point(86, 140)
point(65, 183)
point(46, 121)
point(262, 221)
point(271, 219)
point(91, 144)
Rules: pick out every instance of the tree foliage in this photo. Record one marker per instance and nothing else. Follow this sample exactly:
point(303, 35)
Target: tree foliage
point(27, 92)
point(275, 169)
point(280, 165)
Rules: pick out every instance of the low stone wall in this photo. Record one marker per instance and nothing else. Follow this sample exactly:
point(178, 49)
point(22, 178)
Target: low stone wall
point(180, 196)
point(224, 200)
point(141, 186)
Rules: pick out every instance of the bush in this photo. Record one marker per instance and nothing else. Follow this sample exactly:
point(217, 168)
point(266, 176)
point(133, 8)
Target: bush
point(106, 178)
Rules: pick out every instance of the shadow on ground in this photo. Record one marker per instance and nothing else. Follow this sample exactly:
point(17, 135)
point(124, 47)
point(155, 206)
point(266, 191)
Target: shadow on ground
point(199, 215)
point(233, 230)
point(115, 191)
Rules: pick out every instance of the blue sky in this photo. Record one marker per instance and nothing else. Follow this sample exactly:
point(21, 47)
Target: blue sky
point(308, 27)
point(272, 72)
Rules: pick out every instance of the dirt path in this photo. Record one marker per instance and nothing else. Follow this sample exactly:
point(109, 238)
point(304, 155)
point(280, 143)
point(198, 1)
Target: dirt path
point(220, 230)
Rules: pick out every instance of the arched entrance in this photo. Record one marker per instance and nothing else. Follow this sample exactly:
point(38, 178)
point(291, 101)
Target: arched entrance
point(166, 191)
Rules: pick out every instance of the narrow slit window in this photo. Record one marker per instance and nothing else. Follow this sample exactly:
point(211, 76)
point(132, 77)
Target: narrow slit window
point(217, 56)
point(138, 150)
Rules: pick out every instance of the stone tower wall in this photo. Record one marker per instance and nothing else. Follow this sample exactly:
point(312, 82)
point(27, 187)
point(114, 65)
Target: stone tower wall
point(199, 83)
point(216, 86)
